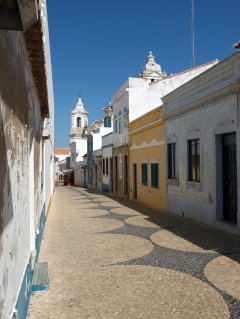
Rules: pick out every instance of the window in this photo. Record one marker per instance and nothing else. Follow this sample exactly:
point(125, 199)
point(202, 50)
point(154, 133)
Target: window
point(125, 120)
point(144, 174)
point(120, 126)
point(172, 161)
point(103, 165)
point(154, 175)
point(106, 166)
point(107, 122)
point(79, 122)
point(194, 160)
point(115, 126)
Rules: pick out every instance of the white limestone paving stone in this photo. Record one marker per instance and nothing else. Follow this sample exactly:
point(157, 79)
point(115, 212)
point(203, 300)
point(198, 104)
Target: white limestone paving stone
point(168, 239)
point(131, 292)
point(224, 273)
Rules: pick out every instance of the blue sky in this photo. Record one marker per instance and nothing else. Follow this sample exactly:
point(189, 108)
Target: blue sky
point(96, 45)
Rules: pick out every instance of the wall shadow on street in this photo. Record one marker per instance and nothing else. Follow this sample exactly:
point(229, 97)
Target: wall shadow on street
point(197, 233)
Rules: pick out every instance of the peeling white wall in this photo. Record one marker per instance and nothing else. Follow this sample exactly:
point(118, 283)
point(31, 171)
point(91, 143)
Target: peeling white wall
point(18, 211)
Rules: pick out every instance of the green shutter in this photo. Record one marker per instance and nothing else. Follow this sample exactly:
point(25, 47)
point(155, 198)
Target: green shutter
point(154, 175)
point(144, 174)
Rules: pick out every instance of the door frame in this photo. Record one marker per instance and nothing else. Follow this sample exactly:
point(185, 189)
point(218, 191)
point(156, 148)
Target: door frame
point(219, 173)
point(232, 199)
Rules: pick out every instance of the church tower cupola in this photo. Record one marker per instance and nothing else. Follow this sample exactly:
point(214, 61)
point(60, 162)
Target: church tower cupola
point(152, 71)
point(79, 120)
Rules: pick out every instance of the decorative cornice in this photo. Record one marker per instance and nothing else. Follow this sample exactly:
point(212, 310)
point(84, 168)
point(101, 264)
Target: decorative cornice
point(215, 96)
point(222, 79)
point(144, 144)
point(142, 128)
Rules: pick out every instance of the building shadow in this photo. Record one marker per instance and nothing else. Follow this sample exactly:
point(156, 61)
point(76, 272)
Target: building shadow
point(202, 235)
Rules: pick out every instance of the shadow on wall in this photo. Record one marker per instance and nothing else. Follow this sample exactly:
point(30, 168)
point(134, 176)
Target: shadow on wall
point(6, 204)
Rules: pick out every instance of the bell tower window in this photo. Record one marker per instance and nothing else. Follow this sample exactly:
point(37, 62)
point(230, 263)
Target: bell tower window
point(79, 122)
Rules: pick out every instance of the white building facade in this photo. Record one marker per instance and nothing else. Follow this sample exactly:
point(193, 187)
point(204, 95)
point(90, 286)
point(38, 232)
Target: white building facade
point(203, 146)
point(134, 98)
point(107, 163)
point(94, 152)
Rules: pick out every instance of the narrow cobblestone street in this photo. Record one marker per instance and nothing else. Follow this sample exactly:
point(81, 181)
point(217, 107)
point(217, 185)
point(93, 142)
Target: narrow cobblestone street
point(113, 258)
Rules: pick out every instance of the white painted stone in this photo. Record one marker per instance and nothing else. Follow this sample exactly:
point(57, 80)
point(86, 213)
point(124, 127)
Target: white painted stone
point(137, 96)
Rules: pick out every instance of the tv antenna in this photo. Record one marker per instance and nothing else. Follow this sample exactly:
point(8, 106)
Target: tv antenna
point(192, 32)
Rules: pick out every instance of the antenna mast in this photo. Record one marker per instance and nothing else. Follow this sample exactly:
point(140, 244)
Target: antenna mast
point(192, 33)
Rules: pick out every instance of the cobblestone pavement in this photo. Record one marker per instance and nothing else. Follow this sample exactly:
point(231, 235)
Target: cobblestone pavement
point(112, 258)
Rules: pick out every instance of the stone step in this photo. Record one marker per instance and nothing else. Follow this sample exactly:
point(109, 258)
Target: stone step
point(40, 277)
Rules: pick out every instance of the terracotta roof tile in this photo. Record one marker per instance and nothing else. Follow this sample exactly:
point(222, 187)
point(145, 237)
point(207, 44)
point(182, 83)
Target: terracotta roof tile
point(61, 151)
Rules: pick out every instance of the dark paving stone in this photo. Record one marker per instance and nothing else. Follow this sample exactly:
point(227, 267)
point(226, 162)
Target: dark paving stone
point(132, 230)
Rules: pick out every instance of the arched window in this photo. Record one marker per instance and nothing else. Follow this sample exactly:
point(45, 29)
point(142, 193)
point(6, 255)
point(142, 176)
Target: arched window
point(79, 122)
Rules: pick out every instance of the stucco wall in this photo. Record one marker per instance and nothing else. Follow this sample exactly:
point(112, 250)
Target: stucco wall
point(147, 146)
point(145, 99)
point(81, 148)
point(18, 99)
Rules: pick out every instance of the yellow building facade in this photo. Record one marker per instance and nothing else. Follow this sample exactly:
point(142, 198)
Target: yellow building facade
point(147, 159)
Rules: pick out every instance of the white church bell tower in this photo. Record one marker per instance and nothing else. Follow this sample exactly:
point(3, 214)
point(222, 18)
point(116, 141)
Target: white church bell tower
point(79, 121)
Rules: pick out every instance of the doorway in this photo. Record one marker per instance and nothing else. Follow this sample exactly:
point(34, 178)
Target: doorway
point(111, 176)
point(229, 177)
point(115, 173)
point(135, 181)
point(125, 174)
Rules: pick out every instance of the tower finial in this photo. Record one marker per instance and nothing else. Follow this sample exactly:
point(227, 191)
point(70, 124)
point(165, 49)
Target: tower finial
point(152, 71)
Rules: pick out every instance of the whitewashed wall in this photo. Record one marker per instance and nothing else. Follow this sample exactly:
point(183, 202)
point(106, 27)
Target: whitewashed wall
point(49, 171)
point(107, 149)
point(139, 96)
point(23, 154)
point(19, 211)
point(81, 148)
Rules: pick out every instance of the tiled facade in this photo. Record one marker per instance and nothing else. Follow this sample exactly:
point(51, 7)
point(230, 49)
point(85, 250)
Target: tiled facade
point(205, 109)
